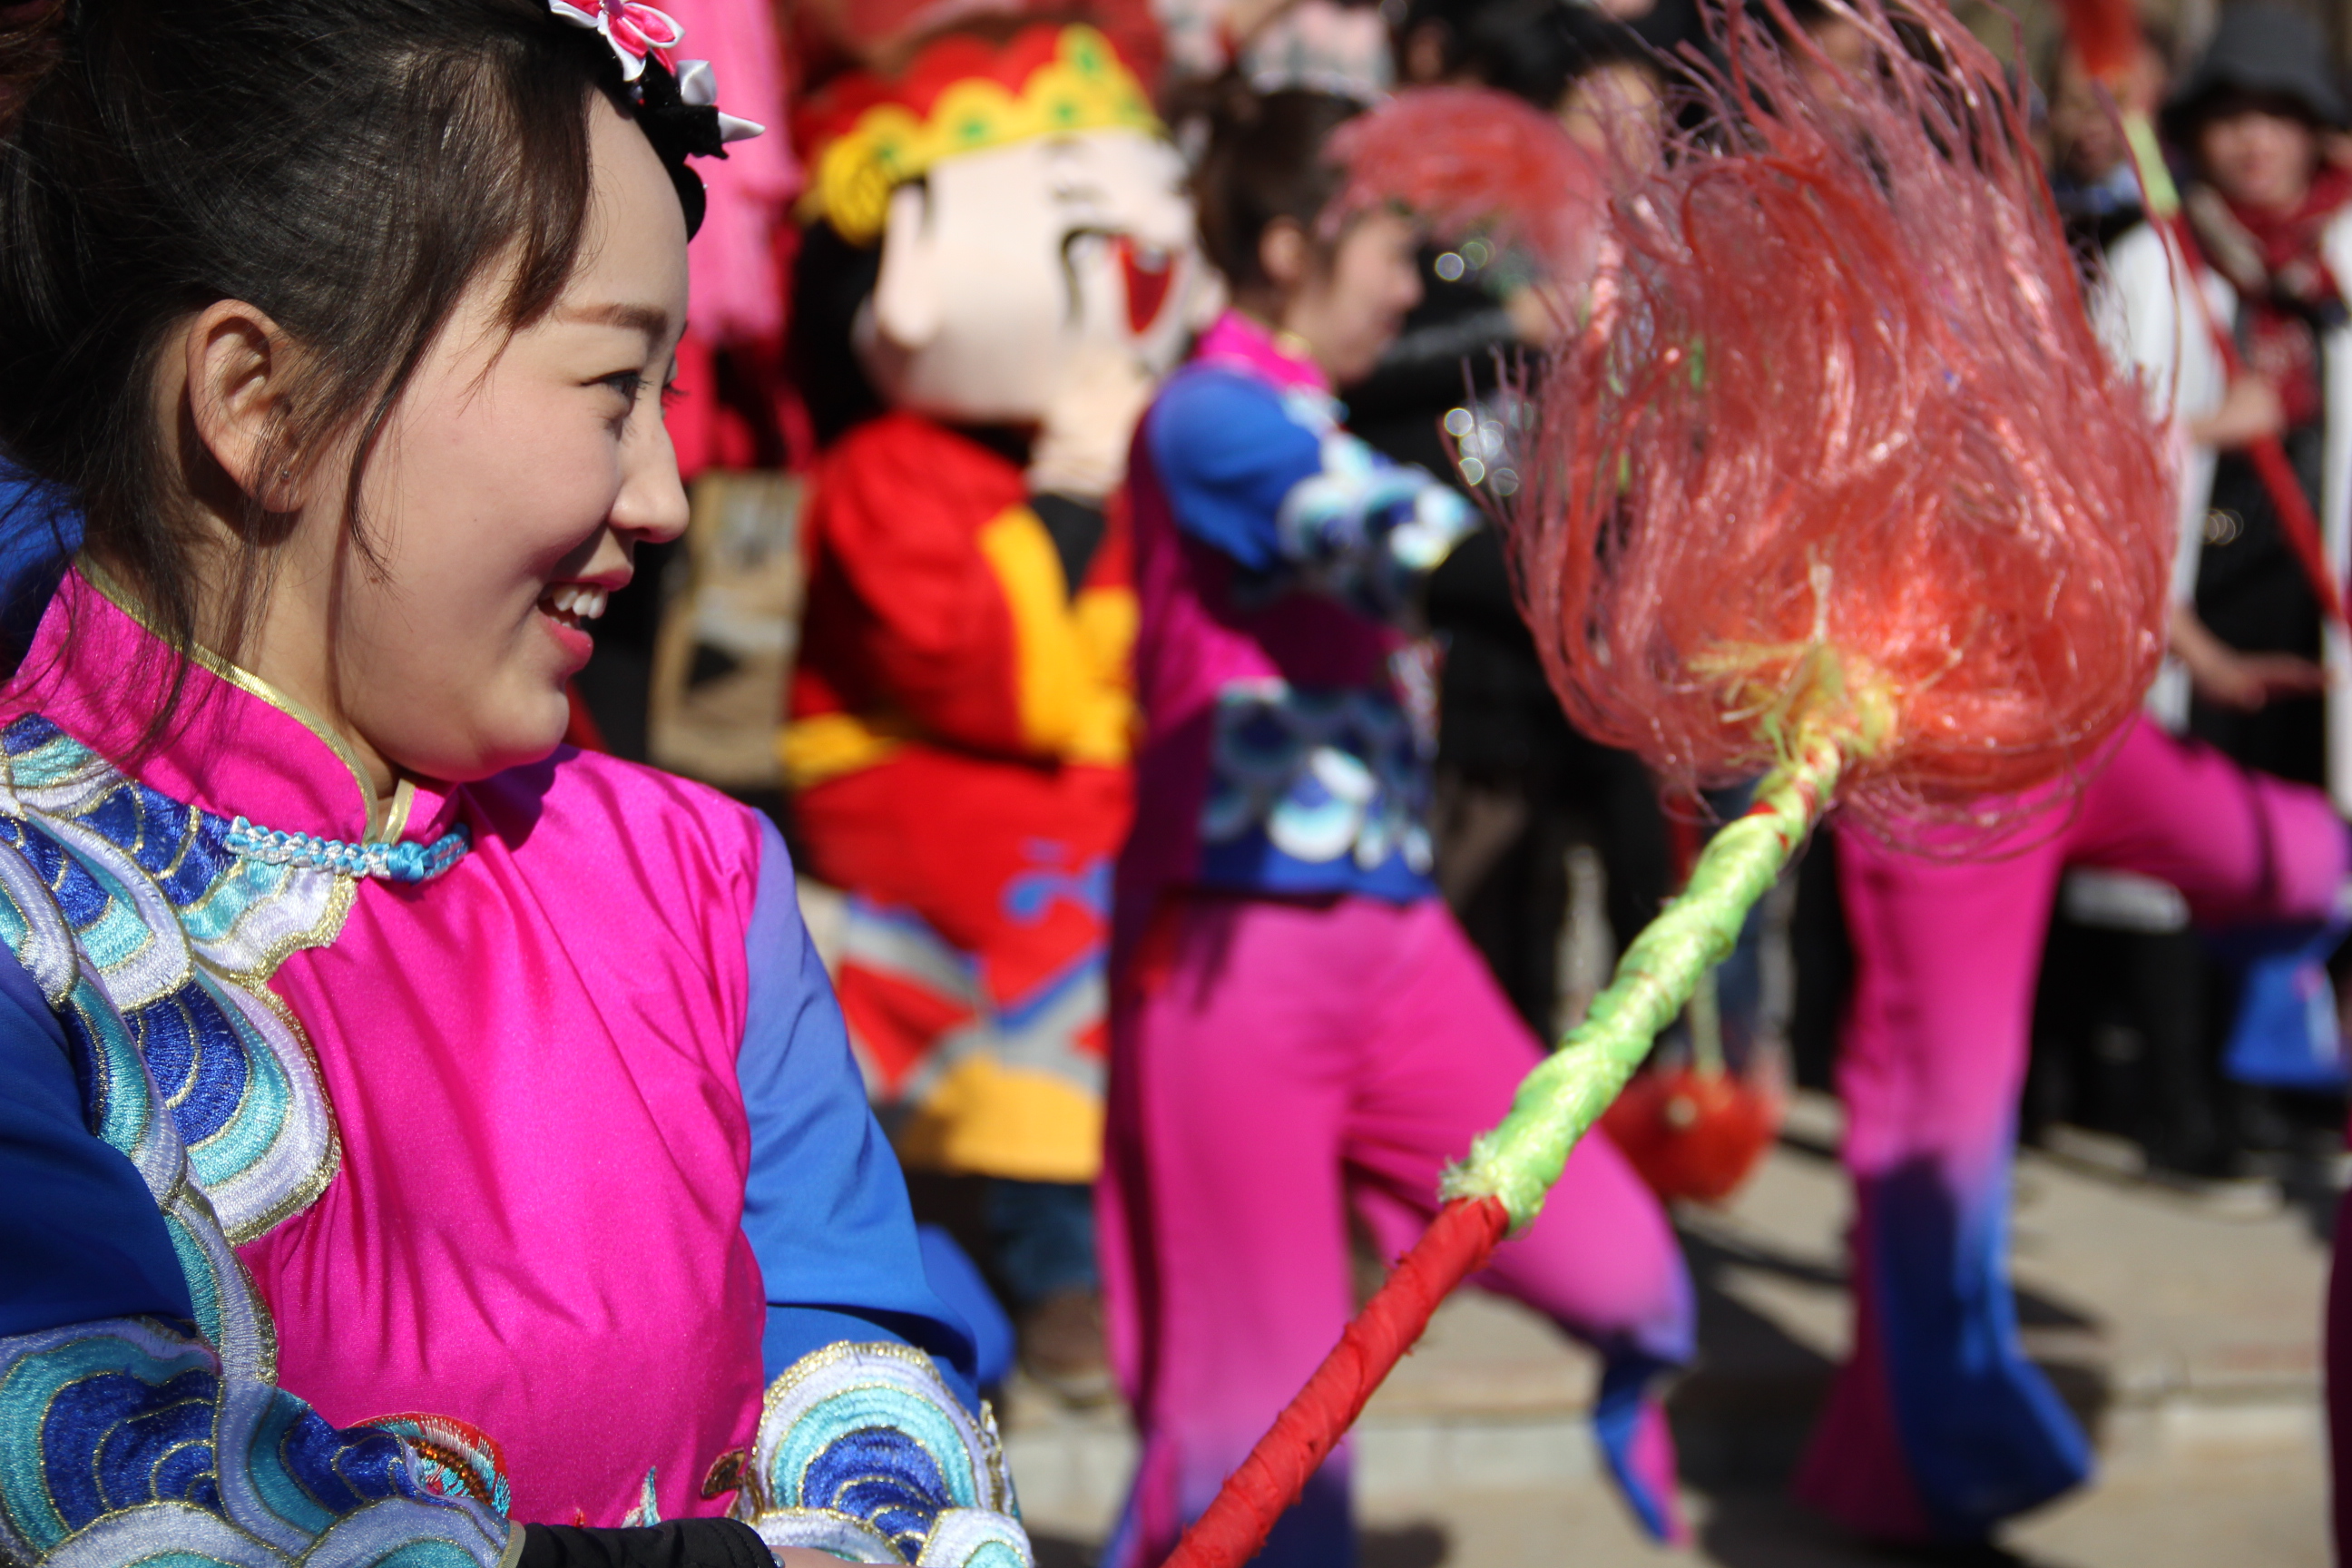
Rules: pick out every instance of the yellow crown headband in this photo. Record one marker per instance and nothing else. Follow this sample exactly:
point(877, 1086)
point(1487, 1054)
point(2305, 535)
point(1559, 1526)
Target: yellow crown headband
point(961, 96)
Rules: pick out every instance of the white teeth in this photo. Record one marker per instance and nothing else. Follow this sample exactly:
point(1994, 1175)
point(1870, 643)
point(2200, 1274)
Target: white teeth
point(579, 601)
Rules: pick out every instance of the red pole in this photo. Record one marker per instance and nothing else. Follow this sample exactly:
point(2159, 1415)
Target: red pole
point(2296, 522)
point(1456, 1245)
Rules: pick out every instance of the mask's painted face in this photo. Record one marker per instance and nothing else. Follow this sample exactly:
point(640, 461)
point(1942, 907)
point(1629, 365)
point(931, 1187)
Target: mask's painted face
point(1000, 265)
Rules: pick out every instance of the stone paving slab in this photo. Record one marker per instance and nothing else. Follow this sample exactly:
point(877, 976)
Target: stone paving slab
point(2185, 1331)
point(2247, 1509)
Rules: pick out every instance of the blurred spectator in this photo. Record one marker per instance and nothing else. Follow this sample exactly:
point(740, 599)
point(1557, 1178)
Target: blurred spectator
point(2268, 243)
point(1832, 43)
point(1330, 46)
point(2092, 173)
point(2271, 229)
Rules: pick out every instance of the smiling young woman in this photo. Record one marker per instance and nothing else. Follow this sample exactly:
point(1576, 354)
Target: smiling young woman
point(408, 1128)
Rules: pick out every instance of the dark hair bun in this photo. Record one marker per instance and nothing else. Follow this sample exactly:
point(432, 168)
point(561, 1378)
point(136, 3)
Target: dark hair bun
point(1265, 163)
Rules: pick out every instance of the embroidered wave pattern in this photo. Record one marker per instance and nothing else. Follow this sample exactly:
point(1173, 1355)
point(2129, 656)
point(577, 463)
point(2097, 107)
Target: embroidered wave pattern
point(121, 1442)
point(130, 1440)
point(864, 1452)
point(1366, 530)
point(450, 1457)
point(1324, 775)
point(151, 939)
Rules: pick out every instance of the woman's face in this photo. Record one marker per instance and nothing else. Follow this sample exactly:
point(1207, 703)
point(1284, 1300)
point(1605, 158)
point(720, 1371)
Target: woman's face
point(2258, 157)
point(1347, 310)
point(509, 491)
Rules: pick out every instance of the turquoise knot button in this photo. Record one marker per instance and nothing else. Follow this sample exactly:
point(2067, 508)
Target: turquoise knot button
point(404, 862)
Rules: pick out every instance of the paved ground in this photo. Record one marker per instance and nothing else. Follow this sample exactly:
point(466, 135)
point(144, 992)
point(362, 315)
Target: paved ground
point(2184, 1327)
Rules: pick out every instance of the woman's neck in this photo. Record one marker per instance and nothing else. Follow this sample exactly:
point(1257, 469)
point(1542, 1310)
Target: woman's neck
point(283, 643)
point(1268, 318)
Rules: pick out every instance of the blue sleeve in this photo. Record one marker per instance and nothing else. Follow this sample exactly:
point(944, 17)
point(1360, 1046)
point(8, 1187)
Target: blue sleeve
point(873, 1445)
point(1278, 487)
point(81, 1239)
point(1228, 453)
point(39, 532)
point(825, 1205)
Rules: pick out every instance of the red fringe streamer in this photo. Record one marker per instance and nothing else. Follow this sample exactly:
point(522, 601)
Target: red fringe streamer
point(1837, 385)
point(1463, 159)
point(1457, 1243)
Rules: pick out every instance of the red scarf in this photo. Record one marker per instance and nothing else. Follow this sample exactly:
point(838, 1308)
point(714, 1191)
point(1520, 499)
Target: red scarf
point(2289, 296)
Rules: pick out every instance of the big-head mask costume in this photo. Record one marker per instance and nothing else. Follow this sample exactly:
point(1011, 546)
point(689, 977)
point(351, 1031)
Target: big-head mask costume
point(961, 712)
point(1028, 206)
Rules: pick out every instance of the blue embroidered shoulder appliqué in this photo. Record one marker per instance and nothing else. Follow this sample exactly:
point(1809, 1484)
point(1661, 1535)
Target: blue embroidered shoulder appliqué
point(124, 1441)
point(864, 1452)
point(152, 939)
point(134, 1440)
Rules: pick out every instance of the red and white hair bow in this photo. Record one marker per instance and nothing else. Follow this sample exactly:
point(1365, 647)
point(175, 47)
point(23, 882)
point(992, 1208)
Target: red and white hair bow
point(634, 28)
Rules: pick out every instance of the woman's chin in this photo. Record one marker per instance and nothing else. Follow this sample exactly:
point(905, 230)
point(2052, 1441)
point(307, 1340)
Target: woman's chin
point(491, 747)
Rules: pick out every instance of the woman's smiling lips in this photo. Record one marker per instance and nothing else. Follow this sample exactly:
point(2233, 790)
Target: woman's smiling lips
point(567, 607)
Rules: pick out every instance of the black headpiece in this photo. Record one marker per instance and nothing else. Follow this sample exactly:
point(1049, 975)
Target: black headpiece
point(679, 110)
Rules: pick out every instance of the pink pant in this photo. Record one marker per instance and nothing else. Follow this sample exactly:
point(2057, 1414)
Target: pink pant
point(1938, 1426)
point(1287, 1058)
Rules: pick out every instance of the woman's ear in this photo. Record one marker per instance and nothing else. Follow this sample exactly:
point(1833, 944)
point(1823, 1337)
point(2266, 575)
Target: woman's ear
point(1285, 253)
point(907, 303)
point(239, 370)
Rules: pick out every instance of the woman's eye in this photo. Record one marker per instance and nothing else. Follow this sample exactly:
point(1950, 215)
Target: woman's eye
point(629, 383)
point(672, 394)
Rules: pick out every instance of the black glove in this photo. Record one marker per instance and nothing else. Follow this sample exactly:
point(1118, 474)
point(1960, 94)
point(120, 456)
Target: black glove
point(680, 1543)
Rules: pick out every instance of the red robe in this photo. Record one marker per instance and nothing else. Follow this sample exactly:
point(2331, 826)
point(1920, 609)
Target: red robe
point(960, 734)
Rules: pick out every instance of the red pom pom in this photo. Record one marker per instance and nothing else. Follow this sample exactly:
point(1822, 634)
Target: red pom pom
point(1836, 430)
point(1693, 1135)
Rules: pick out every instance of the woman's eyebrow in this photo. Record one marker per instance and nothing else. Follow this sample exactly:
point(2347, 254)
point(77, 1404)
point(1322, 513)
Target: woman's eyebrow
point(650, 319)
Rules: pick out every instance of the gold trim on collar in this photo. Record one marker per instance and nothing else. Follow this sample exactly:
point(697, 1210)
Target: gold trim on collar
point(395, 818)
point(380, 828)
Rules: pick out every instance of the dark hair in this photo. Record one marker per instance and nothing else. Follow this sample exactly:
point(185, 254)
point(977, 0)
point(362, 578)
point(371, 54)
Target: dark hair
point(351, 167)
point(832, 280)
point(1538, 49)
point(1265, 163)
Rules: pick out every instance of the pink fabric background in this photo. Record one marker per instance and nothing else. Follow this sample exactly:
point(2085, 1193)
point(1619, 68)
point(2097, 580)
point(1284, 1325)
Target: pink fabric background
point(738, 287)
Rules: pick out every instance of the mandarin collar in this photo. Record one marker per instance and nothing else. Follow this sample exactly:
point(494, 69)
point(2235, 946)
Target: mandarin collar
point(237, 746)
point(1238, 340)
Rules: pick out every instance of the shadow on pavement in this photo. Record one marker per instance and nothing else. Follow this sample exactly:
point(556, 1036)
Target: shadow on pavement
point(1403, 1546)
point(1741, 1419)
point(1750, 1529)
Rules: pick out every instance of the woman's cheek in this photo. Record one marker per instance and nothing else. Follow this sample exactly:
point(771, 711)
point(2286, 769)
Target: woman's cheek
point(573, 498)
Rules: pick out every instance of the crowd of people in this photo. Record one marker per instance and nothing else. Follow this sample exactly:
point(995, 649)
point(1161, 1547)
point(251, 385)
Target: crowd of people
point(370, 1189)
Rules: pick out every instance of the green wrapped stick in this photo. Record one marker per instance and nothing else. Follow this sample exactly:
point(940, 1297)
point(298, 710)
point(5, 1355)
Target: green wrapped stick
point(1500, 1188)
point(1558, 1102)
